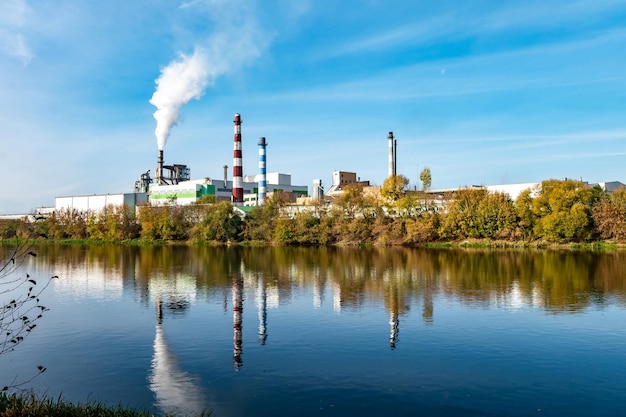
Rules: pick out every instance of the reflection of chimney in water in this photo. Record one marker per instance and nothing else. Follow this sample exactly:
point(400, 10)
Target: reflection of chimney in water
point(237, 321)
point(159, 309)
point(394, 321)
point(394, 324)
point(225, 301)
point(336, 297)
point(318, 289)
point(261, 298)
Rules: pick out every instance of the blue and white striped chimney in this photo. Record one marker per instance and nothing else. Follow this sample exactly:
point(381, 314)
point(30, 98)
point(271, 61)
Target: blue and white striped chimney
point(262, 172)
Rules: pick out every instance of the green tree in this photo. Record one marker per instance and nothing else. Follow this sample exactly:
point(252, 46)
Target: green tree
point(609, 215)
point(218, 223)
point(409, 205)
point(461, 219)
point(477, 213)
point(113, 223)
point(354, 216)
point(497, 218)
point(426, 179)
point(285, 231)
point(9, 228)
point(422, 229)
point(563, 211)
point(260, 223)
point(351, 200)
point(69, 223)
point(526, 217)
point(163, 223)
point(394, 187)
point(308, 228)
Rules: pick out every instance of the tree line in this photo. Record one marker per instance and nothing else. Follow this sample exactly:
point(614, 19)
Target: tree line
point(560, 211)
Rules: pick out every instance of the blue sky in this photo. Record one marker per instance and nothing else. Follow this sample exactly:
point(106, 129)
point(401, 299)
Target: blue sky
point(481, 92)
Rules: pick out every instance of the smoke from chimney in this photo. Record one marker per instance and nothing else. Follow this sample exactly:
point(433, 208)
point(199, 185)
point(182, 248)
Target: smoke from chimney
point(236, 40)
point(181, 81)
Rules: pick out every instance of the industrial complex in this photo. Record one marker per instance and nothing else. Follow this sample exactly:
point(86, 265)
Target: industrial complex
point(172, 184)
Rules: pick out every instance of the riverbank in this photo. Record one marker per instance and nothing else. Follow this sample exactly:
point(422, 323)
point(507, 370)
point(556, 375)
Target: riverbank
point(29, 405)
point(462, 244)
point(565, 213)
point(497, 244)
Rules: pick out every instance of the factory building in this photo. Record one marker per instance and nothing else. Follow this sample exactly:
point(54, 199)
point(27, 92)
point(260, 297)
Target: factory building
point(342, 179)
point(188, 192)
point(514, 190)
point(173, 183)
point(97, 202)
point(183, 193)
point(249, 190)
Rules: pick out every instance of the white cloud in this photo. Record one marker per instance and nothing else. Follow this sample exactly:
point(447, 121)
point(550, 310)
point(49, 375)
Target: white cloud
point(12, 20)
point(455, 25)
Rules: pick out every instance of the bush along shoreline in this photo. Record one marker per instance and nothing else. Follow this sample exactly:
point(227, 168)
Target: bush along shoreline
point(559, 214)
point(29, 405)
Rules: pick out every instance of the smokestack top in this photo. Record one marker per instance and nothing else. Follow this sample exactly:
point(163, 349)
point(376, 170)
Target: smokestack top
point(262, 141)
point(159, 170)
point(237, 118)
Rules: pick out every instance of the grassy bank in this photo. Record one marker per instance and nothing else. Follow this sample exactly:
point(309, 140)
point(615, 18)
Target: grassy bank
point(538, 244)
point(28, 405)
point(464, 244)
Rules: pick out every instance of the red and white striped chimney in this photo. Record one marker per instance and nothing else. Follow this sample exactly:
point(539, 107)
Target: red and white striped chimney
point(237, 163)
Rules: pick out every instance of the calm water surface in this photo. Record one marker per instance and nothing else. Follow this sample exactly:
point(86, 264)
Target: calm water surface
point(333, 332)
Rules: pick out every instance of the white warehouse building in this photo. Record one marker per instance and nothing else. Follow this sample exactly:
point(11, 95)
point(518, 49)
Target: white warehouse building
point(97, 202)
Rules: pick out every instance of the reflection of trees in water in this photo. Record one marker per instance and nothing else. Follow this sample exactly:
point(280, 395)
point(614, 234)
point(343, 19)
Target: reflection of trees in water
point(608, 278)
point(402, 277)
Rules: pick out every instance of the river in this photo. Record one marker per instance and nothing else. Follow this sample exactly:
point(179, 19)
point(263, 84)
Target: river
point(328, 331)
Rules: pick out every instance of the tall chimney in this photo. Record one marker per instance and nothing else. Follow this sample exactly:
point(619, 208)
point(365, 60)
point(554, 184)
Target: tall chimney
point(391, 164)
point(395, 157)
point(159, 170)
point(262, 171)
point(237, 163)
point(225, 176)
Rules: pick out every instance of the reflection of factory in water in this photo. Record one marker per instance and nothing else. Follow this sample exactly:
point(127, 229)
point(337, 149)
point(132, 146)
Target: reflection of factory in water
point(242, 288)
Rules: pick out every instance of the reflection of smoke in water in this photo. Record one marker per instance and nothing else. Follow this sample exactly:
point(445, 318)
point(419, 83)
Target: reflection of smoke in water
point(176, 391)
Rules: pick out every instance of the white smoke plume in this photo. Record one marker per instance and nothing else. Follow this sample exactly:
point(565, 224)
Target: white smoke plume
point(180, 81)
point(235, 40)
